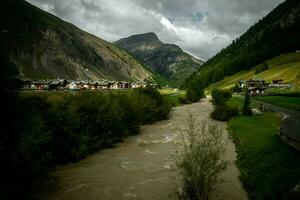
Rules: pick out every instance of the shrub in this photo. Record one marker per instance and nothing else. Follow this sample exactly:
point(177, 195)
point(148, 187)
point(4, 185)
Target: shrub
point(201, 160)
point(219, 97)
point(191, 96)
point(224, 113)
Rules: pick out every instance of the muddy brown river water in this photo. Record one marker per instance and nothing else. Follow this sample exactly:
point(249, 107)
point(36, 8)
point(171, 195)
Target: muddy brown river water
point(142, 167)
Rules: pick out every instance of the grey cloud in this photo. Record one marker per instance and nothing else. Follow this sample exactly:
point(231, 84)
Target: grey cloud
point(200, 27)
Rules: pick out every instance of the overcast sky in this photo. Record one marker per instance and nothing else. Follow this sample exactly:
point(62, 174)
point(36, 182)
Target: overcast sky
point(200, 27)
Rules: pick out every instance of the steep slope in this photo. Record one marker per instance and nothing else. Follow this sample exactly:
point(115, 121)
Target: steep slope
point(168, 60)
point(43, 46)
point(285, 67)
point(275, 34)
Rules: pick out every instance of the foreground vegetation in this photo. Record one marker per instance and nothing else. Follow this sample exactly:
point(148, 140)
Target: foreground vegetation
point(57, 128)
point(288, 102)
point(269, 168)
point(201, 160)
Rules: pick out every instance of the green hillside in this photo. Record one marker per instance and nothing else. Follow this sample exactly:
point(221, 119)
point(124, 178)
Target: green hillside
point(167, 60)
point(285, 67)
point(272, 36)
point(43, 46)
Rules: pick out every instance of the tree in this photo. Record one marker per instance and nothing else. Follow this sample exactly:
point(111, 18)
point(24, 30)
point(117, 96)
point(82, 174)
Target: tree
point(246, 107)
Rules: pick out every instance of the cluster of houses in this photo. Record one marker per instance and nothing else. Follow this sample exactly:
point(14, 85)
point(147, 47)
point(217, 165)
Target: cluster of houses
point(62, 84)
point(258, 87)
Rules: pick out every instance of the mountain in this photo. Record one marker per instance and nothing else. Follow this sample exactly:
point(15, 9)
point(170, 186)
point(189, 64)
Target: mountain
point(168, 60)
point(275, 34)
point(43, 46)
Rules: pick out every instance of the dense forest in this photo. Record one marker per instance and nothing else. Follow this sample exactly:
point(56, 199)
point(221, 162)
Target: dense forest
point(276, 34)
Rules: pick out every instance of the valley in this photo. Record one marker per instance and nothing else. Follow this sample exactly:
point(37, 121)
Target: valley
point(109, 99)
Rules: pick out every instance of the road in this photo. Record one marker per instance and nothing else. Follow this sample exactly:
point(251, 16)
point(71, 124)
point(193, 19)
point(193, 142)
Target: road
point(142, 167)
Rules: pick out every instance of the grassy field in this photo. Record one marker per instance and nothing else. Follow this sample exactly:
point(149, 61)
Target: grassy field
point(238, 101)
point(288, 102)
point(286, 67)
point(269, 168)
point(172, 95)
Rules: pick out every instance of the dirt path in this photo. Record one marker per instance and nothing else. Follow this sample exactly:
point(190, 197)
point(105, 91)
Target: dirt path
point(140, 168)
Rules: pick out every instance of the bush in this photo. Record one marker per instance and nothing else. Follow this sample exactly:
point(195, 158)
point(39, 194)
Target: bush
point(219, 97)
point(201, 160)
point(191, 96)
point(224, 113)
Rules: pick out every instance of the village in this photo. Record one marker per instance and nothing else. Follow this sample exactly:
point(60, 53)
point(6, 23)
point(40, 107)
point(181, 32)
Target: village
point(257, 87)
point(62, 84)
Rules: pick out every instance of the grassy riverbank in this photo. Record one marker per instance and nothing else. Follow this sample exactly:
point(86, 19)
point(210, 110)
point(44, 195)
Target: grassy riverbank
point(269, 168)
point(173, 95)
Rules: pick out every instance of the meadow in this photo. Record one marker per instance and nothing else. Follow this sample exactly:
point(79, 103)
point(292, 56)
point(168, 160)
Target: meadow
point(269, 167)
point(173, 95)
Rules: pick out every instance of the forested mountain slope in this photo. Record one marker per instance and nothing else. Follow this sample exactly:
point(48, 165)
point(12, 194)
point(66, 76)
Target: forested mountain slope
point(272, 36)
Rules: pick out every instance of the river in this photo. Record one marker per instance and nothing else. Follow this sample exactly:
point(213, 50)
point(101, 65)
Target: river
point(142, 167)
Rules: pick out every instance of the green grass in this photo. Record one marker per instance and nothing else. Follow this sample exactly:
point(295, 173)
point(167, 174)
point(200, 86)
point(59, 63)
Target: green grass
point(269, 168)
point(288, 102)
point(172, 95)
point(283, 90)
point(235, 102)
point(238, 101)
point(286, 67)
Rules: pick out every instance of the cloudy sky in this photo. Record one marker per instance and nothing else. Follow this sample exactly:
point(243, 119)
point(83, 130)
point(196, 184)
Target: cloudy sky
point(200, 27)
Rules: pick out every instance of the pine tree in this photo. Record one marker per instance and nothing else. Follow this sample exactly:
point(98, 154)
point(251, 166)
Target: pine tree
point(246, 108)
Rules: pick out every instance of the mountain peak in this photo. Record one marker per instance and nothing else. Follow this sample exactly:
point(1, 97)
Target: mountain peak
point(167, 60)
point(150, 35)
point(139, 39)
